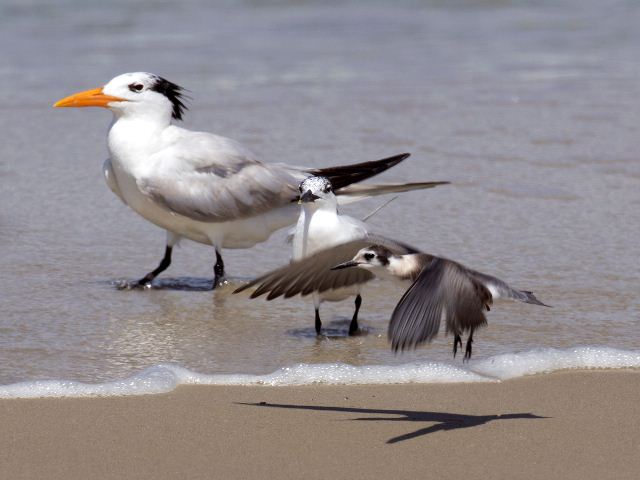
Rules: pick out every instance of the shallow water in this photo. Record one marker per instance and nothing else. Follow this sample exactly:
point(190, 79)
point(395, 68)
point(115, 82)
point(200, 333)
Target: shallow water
point(533, 111)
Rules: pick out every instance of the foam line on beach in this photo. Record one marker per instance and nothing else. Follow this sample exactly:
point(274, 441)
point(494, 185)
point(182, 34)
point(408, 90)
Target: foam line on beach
point(545, 360)
point(166, 377)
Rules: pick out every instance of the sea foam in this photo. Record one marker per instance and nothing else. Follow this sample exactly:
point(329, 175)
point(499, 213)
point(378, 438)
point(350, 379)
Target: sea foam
point(164, 378)
point(512, 365)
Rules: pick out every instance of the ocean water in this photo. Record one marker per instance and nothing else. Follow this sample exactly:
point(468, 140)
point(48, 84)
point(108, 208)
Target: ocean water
point(531, 109)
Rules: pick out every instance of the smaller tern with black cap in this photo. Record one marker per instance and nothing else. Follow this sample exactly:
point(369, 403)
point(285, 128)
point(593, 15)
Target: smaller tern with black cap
point(320, 226)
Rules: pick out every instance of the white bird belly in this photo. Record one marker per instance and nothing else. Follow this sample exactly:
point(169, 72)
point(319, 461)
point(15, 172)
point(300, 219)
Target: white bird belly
point(242, 233)
point(321, 231)
point(339, 294)
point(247, 232)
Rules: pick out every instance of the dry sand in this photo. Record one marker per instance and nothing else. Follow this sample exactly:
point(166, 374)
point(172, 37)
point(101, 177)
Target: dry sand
point(565, 425)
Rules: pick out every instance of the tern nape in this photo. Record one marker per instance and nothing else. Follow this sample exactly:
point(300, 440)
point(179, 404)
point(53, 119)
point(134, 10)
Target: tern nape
point(201, 186)
point(437, 288)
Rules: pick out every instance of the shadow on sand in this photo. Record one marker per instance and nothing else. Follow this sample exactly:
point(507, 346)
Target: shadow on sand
point(443, 421)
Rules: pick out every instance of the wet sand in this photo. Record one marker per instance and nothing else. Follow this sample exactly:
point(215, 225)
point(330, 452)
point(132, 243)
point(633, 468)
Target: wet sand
point(562, 425)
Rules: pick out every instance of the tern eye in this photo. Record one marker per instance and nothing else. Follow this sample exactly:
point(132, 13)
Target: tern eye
point(369, 256)
point(136, 87)
point(327, 189)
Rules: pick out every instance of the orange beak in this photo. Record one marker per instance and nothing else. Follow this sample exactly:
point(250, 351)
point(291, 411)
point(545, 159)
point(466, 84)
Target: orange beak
point(89, 98)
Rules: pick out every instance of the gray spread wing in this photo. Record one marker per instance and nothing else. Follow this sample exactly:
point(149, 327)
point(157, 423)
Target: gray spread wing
point(314, 274)
point(500, 289)
point(228, 187)
point(444, 289)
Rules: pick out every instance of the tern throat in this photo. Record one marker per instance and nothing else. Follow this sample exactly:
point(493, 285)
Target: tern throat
point(135, 136)
point(402, 267)
point(324, 215)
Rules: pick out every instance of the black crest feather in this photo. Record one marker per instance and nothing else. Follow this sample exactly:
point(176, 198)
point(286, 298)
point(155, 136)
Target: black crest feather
point(175, 94)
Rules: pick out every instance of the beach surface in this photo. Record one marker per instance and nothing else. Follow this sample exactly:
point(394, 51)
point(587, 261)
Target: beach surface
point(577, 424)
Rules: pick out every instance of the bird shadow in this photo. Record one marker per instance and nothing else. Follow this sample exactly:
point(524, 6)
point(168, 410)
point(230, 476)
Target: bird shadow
point(442, 421)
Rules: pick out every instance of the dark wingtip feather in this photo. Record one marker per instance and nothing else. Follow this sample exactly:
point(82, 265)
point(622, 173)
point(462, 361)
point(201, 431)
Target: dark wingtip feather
point(246, 286)
point(344, 175)
point(240, 289)
point(273, 294)
point(531, 298)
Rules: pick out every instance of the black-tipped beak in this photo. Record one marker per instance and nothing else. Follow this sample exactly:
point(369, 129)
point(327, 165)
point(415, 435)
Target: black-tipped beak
point(350, 263)
point(307, 197)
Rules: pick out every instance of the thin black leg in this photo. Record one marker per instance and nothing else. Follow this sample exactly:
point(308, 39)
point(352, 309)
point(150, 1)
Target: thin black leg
point(218, 270)
point(164, 264)
point(353, 326)
point(456, 341)
point(318, 322)
point(467, 353)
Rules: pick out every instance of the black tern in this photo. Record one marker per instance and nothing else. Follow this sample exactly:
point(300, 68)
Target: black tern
point(438, 288)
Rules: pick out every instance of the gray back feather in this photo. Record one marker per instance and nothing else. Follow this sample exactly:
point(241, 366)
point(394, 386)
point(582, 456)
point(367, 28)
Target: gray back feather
point(232, 189)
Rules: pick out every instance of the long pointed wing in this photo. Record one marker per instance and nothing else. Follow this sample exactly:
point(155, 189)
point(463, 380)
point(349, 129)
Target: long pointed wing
point(231, 190)
point(314, 274)
point(343, 175)
point(444, 289)
point(500, 289)
point(357, 192)
point(215, 179)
